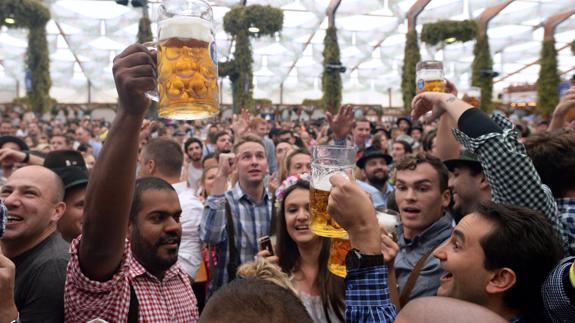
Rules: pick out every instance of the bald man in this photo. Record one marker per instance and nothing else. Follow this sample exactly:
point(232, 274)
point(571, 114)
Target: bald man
point(436, 309)
point(33, 196)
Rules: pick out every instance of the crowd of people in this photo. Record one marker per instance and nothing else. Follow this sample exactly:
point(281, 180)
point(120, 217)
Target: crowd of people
point(161, 220)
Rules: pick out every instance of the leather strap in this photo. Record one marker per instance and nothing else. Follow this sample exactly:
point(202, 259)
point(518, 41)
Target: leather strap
point(233, 253)
point(412, 278)
point(392, 283)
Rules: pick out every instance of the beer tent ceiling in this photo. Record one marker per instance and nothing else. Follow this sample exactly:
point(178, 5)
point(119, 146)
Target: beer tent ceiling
point(371, 38)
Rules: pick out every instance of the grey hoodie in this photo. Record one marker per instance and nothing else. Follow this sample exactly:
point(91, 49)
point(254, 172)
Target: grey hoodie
point(409, 253)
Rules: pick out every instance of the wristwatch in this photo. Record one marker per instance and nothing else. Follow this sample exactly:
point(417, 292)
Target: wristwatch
point(357, 260)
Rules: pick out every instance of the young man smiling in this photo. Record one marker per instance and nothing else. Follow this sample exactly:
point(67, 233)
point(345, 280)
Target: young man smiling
point(123, 267)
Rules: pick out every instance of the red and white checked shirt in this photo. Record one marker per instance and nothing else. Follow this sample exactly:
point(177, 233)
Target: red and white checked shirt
point(169, 300)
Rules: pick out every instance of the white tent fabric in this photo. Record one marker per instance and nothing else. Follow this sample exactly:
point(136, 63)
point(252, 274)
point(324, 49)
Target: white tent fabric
point(85, 35)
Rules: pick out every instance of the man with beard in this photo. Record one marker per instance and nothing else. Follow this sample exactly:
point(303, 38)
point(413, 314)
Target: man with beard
point(374, 164)
point(223, 142)
point(193, 149)
point(467, 183)
point(234, 219)
point(123, 267)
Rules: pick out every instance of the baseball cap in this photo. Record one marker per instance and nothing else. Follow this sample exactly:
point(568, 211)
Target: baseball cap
point(466, 158)
point(69, 165)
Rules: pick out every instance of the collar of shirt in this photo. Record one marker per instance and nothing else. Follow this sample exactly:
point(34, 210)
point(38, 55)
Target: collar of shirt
point(180, 187)
point(439, 230)
point(238, 194)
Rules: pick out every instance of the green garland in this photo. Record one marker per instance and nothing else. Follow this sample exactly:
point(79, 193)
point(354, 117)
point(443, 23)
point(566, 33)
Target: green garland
point(482, 61)
point(312, 102)
point(462, 31)
point(269, 20)
point(331, 81)
point(32, 14)
point(410, 58)
point(145, 30)
point(548, 82)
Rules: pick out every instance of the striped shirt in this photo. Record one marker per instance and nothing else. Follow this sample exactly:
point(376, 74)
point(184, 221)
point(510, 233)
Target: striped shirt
point(251, 221)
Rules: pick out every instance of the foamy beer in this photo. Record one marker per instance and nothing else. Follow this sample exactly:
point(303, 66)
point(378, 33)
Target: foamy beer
point(187, 61)
point(429, 77)
point(337, 252)
point(326, 162)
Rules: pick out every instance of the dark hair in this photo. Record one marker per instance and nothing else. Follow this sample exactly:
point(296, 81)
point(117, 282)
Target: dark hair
point(362, 120)
point(524, 241)
point(84, 147)
point(167, 154)
point(223, 133)
point(406, 146)
point(143, 184)
point(377, 142)
point(213, 155)
point(553, 155)
point(331, 287)
point(411, 162)
point(427, 140)
point(191, 141)
point(254, 300)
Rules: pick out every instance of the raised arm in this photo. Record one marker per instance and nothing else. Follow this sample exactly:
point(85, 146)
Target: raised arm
point(447, 146)
point(563, 109)
point(110, 190)
point(341, 123)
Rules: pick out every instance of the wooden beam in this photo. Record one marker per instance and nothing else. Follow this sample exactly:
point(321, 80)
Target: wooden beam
point(526, 66)
point(490, 13)
point(331, 10)
point(413, 12)
point(552, 22)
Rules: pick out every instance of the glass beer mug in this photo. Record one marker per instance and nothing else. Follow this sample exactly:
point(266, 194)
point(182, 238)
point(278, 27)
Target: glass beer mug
point(338, 250)
point(429, 77)
point(187, 61)
point(326, 162)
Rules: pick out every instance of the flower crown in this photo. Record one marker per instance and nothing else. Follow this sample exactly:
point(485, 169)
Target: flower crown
point(289, 182)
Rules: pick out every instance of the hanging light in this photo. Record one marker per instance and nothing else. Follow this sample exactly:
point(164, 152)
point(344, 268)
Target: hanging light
point(450, 40)
point(9, 20)
point(253, 29)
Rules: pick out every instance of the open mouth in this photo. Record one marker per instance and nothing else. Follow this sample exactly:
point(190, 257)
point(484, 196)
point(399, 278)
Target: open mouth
point(14, 218)
point(446, 276)
point(302, 227)
point(411, 211)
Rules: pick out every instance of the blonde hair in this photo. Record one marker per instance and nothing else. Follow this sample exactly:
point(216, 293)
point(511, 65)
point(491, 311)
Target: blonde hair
point(263, 269)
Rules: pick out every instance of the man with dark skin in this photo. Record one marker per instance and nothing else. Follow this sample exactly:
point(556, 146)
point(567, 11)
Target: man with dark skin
point(105, 268)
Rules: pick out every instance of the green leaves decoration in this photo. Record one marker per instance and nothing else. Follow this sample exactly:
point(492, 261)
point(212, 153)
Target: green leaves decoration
point(411, 57)
point(331, 81)
point(548, 82)
point(33, 15)
point(483, 61)
point(268, 20)
point(462, 31)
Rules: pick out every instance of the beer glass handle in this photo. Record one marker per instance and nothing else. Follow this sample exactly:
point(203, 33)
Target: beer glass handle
point(153, 94)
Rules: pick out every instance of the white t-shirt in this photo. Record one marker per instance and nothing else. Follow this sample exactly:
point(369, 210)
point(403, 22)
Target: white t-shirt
point(194, 177)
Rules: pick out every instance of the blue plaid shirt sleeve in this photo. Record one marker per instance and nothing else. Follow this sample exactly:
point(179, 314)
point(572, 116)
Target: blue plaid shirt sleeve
point(556, 301)
point(367, 296)
point(213, 223)
point(511, 175)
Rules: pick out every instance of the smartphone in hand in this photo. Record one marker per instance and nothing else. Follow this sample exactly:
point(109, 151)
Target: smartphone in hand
point(264, 243)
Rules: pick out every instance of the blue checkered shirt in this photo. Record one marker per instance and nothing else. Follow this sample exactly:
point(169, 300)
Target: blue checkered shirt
point(251, 221)
point(367, 296)
point(566, 207)
point(511, 175)
point(558, 307)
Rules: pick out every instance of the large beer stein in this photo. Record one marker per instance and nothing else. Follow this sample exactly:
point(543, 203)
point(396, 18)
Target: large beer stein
point(187, 61)
point(338, 250)
point(429, 77)
point(326, 162)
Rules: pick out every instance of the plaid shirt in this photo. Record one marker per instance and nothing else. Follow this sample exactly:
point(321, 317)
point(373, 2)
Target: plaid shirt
point(169, 300)
point(367, 296)
point(556, 300)
point(511, 175)
point(566, 207)
point(251, 221)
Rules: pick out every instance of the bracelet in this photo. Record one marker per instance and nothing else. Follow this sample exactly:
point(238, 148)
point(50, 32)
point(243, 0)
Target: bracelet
point(572, 275)
point(26, 158)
